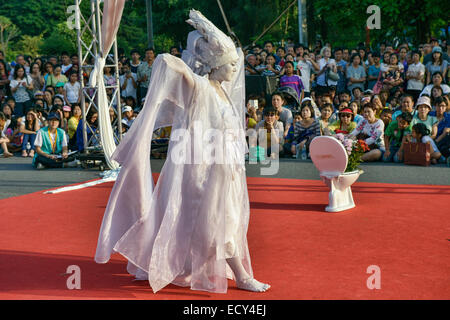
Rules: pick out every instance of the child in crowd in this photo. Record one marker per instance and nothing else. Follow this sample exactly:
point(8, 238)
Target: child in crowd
point(394, 136)
point(420, 133)
point(292, 80)
point(386, 116)
point(290, 136)
point(72, 89)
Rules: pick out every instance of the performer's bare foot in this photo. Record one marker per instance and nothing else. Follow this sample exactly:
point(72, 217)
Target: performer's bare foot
point(251, 284)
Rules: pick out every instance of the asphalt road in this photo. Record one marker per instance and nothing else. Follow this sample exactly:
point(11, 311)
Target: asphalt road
point(17, 177)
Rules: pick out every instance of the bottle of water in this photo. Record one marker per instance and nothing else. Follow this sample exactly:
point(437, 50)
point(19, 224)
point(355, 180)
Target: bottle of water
point(28, 147)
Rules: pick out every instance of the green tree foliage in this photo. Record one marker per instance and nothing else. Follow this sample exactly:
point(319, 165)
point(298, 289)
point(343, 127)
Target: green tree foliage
point(342, 22)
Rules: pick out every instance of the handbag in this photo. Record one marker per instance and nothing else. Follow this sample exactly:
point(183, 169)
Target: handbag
point(332, 75)
point(378, 85)
point(417, 153)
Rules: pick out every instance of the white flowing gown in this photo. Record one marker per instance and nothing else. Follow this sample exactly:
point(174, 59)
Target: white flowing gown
point(182, 230)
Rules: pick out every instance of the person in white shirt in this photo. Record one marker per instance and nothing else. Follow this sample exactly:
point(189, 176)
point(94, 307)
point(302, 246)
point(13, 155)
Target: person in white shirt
point(325, 64)
point(415, 76)
point(66, 65)
point(72, 89)
point(128, 82)
point(436, 81)
point(305, 66)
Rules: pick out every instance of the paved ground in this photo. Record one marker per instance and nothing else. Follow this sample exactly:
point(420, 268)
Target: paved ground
point(17, 177)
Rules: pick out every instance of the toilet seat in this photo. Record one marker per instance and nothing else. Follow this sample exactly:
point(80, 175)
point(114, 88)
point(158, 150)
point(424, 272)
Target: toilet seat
point(329, 155)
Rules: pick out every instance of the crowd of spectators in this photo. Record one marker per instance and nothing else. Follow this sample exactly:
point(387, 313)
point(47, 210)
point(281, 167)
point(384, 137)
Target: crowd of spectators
point(387, 96)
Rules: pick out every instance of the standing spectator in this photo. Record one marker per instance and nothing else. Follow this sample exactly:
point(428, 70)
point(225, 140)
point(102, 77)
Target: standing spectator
point(4, 81)
point(326, 63)
point(305, 130)
point(371, 130)
point(393, 77)
point(272, 69)
point(395, 135)
point(373, 71)
point(20, 85)
point(109, 77)
point(423, 108)
point(429, 52)
point(48, 71)
point(37, 78)
point(144, 73)
point(341, 68)
point(56, 78)
point(402, 57)
point(356, 75)
point(292, 80)
point(128, 82)
point(135, 62)
point(415, 76)
point(306, 66)
point(437, 63)
point(28, 128)
point(66, 62)
point(72, 90)
point(281, 53)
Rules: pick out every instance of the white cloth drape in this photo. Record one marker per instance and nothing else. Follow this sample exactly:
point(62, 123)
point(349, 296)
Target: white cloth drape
point(112, 14)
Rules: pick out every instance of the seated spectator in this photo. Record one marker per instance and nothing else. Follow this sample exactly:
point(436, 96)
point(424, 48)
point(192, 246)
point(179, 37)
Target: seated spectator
point(443, 133)
point(7, 111)
point(72, 90)
point(29, 128)
point(4, 81)
point(284, 113)
point(20, 84)
point(325, 114)
point(51, 146)
point(304, 131)
point(436, 92)
point(420, 133)
point(423, 108)
point(371, 130)
point(437, 80)
point(273, 130)
point(357, 94)
point(394, 136)
point(66, 115)
point(345, 124)
point(406, 104)
point(386, 116)
point(14, 136)
point(287, 151)
point(3, 138)
point(127, 116)
point(355, 108)
point(292, 80)
point(91, 128)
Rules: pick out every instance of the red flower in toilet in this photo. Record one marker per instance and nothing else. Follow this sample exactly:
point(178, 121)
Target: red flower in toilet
point(355, 149)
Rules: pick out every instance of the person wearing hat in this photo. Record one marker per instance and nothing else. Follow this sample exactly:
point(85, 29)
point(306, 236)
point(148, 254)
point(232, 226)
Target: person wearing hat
point(423, 107)
point(127, 116)
point(345, 123)
point(428, 51)
point(437, 63)
point(51, 146)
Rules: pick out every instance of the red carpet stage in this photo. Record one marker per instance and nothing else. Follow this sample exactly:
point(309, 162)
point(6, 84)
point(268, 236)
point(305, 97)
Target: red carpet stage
point(297, 247)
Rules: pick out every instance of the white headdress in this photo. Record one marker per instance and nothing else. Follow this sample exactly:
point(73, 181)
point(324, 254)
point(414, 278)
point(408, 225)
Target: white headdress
point(207, 47)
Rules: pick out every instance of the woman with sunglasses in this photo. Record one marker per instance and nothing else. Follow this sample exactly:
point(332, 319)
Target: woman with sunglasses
point(345, 124)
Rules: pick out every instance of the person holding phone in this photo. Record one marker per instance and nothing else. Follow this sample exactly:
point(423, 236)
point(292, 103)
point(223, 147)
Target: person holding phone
point(128, 82)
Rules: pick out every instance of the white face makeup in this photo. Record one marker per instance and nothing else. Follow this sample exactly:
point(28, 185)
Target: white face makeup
point(224, 73)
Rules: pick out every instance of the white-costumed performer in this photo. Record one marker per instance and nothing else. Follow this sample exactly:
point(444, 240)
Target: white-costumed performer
point(191, 228)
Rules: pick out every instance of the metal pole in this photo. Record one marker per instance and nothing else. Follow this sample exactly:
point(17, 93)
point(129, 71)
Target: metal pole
point(119, 106)
point(302, 26)
point(149, 23)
